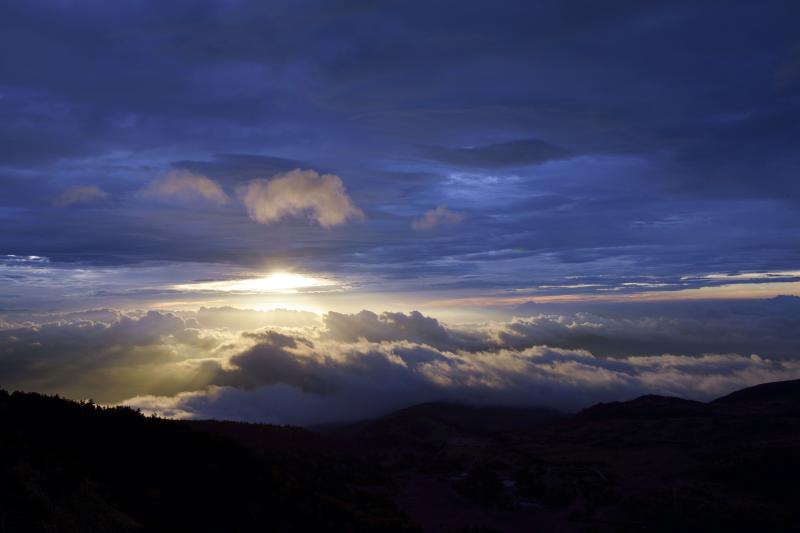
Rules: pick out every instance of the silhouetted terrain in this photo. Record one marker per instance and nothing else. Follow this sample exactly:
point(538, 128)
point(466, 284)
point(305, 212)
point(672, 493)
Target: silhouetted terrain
point(73, 467)
point(649, 464)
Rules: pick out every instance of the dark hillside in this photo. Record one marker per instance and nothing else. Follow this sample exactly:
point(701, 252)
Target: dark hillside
point(650, 464)
point(650, 406)
point(780, 397)
point(67, 466)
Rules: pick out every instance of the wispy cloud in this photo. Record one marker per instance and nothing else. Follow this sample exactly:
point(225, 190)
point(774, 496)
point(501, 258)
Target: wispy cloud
point(23, 260)
point(182, 185)
point(747, 276)
point(437, 217)
point(80, 194)
point(499, 155)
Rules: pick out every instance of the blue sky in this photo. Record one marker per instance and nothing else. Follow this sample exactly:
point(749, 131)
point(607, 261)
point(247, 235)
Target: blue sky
point(471, 160)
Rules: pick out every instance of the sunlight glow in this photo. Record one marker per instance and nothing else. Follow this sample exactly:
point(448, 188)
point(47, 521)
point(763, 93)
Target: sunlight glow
point(276, 282)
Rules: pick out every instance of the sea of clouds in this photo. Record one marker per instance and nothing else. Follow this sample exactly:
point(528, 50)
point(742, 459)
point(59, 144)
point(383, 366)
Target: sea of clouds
point(301, 368)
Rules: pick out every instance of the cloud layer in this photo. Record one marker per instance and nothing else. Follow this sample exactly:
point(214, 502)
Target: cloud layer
point(292, 369)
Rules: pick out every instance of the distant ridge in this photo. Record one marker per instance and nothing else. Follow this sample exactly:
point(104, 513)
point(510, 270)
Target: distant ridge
point(780, 398)
point(650, 407)
point(441, 420)
point(472, 417)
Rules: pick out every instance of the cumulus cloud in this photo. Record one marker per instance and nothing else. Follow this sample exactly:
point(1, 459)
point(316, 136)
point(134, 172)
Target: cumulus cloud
point(437, 217)
point(322, 198)
point(80, 194)
point(184, 185)
point(193, 365)
point(108, 355)
point(413, 326)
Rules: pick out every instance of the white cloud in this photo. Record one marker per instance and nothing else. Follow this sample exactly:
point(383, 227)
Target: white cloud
point(23, 260)
point(300, 192)
point(184, 185)
point(81, 194)
point(437, 217)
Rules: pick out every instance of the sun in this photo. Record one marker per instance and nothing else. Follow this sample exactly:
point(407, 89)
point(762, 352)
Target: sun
point(275, 282)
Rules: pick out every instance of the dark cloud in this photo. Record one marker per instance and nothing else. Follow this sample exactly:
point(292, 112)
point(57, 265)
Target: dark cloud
point(414, 327)
point(240, 168)
point(690, 332)
point(500, 155)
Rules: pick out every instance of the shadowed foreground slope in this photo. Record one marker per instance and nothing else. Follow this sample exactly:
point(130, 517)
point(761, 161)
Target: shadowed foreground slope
point(66, 466)
point(650, 464)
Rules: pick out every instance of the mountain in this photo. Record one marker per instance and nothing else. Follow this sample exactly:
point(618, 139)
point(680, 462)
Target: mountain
point(650, 406)
point(780, 397)
point(653, 463)
point(442, 420)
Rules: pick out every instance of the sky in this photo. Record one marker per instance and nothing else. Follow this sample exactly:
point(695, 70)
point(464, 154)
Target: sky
point(276, 210)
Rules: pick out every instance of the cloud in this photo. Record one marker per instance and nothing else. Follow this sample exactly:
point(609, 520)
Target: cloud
point(652, 329)
point(23, 260)
point(414, 327)
point(238, 168)
point(355, 365)
point(184, 185)
point(108, 355)
point(437, 217)
point(300, 192)
point(247, 319)
point(500, 155)
point(366, 379)
point(80, 194)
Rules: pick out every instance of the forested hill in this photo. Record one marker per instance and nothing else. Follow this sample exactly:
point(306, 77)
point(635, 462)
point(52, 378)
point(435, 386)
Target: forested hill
point(76, 467)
